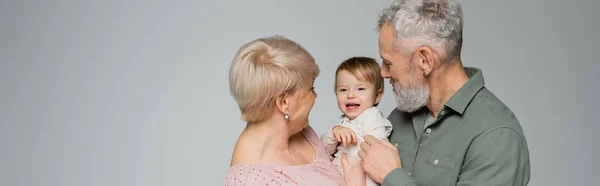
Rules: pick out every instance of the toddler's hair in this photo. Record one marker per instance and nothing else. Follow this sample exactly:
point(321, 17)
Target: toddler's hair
point(365, 69)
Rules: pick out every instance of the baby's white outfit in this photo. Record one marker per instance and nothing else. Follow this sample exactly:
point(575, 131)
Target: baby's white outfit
point(369, 122)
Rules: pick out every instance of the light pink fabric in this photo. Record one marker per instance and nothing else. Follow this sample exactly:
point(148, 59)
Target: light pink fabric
point(320, 172)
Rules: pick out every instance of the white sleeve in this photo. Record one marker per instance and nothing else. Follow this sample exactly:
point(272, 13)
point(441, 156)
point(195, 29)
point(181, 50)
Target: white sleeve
point(329, 141)
point(376, 125)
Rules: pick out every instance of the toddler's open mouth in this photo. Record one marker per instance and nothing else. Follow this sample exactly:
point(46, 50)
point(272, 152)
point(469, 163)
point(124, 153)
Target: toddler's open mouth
point(352, 106)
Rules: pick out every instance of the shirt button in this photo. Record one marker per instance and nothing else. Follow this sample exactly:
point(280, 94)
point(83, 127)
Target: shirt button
point(435, 162)
point(428, 130)
point(443, 112)
point(408, 173)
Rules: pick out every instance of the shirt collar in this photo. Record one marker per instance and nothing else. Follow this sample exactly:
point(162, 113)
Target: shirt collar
point(461, 99)
point(359, 118)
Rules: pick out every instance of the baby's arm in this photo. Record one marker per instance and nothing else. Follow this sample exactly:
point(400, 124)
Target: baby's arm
point(329, 140)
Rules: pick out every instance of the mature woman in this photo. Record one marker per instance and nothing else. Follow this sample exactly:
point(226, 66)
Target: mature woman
point(272, 81)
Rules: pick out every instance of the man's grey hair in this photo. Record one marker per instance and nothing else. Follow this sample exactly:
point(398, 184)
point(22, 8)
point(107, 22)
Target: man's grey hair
point(434, 23)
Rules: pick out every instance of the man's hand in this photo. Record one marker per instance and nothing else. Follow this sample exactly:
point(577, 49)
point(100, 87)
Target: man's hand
point(379, 158)
point(344, 135)
point(353, 173)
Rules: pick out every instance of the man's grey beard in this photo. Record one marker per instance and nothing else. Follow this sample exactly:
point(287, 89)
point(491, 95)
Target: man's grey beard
point(412, 97)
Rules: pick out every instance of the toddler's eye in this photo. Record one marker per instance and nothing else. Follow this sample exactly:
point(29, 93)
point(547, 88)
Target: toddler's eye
point(343, 90)
point(361, 88)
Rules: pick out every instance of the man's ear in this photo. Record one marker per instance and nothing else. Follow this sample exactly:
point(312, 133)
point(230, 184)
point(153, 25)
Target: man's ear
point(428, 57)
point(282, 103)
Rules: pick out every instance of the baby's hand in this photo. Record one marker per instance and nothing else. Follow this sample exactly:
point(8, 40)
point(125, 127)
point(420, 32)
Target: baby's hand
point(344, 135)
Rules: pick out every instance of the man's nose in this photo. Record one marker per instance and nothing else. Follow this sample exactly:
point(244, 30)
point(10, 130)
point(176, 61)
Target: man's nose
point(385, 72)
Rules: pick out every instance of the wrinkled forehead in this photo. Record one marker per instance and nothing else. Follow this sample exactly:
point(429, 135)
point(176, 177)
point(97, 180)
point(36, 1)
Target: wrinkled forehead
point(386, 40)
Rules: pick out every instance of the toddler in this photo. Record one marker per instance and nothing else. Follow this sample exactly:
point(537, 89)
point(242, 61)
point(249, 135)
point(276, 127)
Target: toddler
point(358, 88)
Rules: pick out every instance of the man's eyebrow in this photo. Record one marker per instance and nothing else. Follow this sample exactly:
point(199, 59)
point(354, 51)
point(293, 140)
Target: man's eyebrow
point(384, 60)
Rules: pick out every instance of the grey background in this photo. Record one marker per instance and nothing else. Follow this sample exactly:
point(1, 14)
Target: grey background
point(136, 92)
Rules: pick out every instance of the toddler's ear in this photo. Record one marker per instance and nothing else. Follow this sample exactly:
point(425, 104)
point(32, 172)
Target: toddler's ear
point(378, 97)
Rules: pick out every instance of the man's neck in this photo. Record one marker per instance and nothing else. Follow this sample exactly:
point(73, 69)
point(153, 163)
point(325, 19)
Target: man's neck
point(444, 85)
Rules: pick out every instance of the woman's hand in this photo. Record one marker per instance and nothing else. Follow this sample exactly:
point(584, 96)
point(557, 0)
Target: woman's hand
point(353, 172)
point(344, 135)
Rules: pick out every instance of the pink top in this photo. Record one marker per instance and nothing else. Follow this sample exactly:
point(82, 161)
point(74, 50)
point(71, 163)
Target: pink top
point(320, 172)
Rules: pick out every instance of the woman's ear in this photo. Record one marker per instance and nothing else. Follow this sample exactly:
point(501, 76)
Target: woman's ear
point(281, 103)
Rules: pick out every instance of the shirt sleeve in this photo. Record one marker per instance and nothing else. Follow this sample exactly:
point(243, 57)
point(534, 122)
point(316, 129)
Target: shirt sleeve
point(376, 125)
point(497, 157)
point(398, 177)
point(329, 141)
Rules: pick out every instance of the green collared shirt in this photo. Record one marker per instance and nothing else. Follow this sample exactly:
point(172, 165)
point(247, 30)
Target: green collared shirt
point(475, 140)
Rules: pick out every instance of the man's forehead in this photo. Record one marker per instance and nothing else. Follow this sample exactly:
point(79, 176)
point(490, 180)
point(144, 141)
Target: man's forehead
point(386, 37)
point(385, 47)
point(382, 37)
point(386, 30)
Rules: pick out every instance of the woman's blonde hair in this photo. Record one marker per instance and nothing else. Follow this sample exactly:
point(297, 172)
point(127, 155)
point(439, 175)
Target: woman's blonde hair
point(266, 68)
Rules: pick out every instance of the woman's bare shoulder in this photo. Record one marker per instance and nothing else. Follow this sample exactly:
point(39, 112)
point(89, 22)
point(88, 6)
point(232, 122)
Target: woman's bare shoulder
point(244, 152)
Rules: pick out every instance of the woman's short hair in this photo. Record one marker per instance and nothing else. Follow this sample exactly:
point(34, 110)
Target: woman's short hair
point(266, 68)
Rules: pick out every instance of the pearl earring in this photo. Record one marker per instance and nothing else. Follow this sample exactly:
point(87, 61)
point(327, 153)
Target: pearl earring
point(286, 117)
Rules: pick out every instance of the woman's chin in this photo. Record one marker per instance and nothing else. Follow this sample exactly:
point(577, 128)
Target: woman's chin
point(300, 126)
